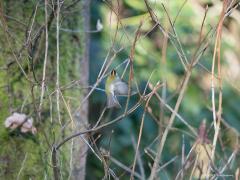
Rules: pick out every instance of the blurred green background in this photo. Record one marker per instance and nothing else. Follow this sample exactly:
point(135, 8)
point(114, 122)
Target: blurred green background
point(149, 58)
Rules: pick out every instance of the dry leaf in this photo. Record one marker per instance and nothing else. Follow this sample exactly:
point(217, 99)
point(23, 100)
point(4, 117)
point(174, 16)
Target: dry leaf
point(202, 152)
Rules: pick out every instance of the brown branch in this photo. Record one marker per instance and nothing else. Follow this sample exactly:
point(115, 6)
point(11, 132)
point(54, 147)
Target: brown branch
point(99, 127)
point(131, 57)
point(217, 52)
point(56, 171)
point(158, 85)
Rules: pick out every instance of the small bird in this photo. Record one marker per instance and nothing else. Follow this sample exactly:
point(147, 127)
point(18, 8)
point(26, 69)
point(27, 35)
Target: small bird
point(115, 86)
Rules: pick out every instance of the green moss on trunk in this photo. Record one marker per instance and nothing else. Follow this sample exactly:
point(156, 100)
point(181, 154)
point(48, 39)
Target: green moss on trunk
point(25, 155)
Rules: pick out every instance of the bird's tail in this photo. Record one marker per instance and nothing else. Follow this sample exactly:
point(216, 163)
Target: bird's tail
point(112, 101)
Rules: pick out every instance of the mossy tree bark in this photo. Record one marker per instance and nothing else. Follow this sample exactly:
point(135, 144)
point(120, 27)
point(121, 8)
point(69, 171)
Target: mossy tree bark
point(80, 147)
point(22, 50)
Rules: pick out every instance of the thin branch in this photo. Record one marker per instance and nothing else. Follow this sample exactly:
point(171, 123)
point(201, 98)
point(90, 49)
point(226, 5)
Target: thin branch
point(125, 168)
point(99, 127)
point(45, 59)
point(57, 62)
point(217, 52)
point(170, 122)
point(139, 159)
point(158, 85)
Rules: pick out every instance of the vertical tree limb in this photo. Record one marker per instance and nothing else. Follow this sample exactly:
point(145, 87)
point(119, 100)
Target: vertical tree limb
point(80, 147)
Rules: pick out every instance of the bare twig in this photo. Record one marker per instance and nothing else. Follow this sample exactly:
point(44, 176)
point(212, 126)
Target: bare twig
point(171, 120)
point(139, 159)
point(45, 58)
point(131, 57)
point(124, 167)
point(57, 61)
point(99, 127)
point(217, 52)
point(158, 85)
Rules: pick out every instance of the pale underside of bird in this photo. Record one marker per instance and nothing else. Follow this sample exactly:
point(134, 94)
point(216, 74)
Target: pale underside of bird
point(117, 88)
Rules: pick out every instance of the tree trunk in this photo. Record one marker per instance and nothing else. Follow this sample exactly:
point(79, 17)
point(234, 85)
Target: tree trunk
point(22, 57)
point(80, 147)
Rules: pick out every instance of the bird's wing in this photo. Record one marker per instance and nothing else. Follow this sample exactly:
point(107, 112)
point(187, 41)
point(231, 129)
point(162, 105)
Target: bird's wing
point(120, 88)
